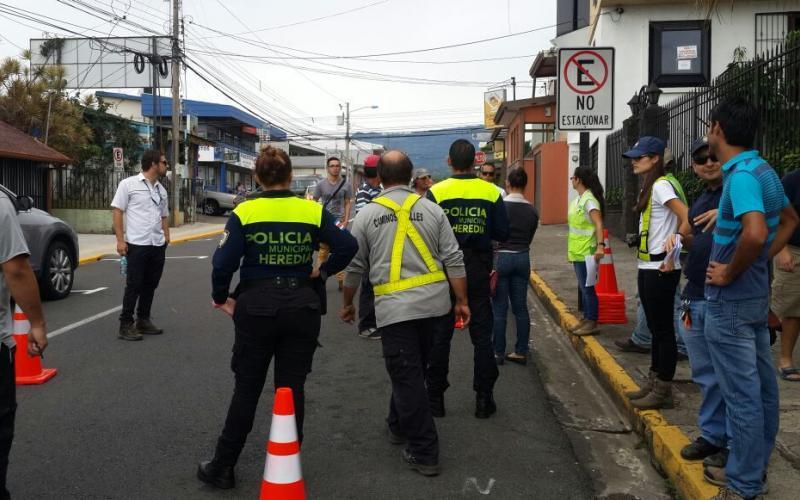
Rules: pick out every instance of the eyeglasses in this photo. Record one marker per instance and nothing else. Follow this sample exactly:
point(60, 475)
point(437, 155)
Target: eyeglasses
point(487, 174)
point(702, 159)
point(163, 162)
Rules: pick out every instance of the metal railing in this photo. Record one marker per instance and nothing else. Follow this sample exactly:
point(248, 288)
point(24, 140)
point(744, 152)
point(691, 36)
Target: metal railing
point(85, 188)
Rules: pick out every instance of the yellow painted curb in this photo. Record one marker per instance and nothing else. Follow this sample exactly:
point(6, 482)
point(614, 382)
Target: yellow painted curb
point(664, 440)
point(177, 241)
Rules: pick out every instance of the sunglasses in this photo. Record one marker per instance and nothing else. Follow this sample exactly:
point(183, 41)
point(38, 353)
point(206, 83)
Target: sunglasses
point(487, 174)
point(702, 159)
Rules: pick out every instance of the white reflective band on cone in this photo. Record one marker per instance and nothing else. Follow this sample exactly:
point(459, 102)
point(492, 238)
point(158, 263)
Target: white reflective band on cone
point(282, 469)
point(283, 429)
point(21, 326)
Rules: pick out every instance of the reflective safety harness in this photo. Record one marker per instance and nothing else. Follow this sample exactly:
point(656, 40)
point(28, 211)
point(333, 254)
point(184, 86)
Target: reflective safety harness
point(643, 252)
point(406, 229)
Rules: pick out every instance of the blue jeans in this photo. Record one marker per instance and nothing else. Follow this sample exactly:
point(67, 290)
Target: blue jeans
point(587, 294)
point(738, 341)
point(711, 418)
point(513, 275)
point(641, 334)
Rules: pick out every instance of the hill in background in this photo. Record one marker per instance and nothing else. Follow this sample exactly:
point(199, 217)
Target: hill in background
point(427, 148)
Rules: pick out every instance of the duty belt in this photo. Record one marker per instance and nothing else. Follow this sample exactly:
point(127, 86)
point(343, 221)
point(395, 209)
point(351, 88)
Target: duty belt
point(278, 282)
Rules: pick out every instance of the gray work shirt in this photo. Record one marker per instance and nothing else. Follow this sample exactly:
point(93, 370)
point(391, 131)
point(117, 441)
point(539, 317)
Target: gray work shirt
point(375, 227)
point(324, 190)
point(12, 244)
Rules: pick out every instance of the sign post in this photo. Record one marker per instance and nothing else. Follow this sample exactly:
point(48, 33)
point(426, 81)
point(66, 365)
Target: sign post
point(586, 89)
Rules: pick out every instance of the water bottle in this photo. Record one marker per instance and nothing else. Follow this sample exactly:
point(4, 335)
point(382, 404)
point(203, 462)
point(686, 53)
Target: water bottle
point(123, 266)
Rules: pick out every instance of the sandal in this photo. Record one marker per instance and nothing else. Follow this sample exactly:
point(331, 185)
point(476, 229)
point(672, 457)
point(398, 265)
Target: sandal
point(517, 358)
point(790, 374)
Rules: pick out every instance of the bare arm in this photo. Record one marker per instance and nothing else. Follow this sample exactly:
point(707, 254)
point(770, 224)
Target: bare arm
point(122, 247)
point(461, 309)
point(597, 220)
point(25, 290)
point(165, 227)
point(786, 227)
point(348, 203)
point(684, 229)
point(751, 242)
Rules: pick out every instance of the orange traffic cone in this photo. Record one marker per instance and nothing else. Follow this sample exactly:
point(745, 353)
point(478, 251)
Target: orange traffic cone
point(283, 477)
point(611, 300)
point(28, 368)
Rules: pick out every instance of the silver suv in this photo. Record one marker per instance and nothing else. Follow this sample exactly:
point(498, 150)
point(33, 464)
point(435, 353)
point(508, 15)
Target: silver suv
point(53, 245)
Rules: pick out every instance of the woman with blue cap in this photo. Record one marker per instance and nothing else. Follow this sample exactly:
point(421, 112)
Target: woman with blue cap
point(662, 212)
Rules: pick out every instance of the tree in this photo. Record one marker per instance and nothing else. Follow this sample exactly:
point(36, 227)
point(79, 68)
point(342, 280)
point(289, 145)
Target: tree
point(108, 131)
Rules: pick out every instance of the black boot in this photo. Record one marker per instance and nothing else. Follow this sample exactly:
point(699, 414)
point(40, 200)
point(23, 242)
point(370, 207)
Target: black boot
point(436, 403)
point(146, 327)
point(128, 332)
point(484, 405)
point(214, 474)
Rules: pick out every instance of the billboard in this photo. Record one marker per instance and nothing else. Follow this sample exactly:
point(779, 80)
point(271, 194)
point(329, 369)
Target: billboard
point(105, 63)
point(491, 103)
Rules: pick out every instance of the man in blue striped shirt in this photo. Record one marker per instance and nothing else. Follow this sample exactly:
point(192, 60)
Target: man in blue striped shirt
point(369, 190)
point(755, 220)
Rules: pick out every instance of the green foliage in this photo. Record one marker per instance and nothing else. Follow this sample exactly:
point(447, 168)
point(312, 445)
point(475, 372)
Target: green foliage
point(108, 131)
point(692, 185)
point(614, 197)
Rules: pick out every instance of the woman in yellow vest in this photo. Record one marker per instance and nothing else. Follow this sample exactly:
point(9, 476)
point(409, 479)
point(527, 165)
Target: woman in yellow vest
point(585, 239)
point(663, 212)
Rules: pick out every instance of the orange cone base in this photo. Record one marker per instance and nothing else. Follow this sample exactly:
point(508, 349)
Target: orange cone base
point(291, 491)
point(43, 376)
point(612, 309)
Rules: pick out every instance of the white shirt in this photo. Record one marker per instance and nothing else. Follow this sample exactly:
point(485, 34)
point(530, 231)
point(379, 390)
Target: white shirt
point(500, 190)
point(663, 222)
point(144, 206)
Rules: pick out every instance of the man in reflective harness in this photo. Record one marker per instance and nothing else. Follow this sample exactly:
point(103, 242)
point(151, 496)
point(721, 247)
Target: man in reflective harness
point(406, 245)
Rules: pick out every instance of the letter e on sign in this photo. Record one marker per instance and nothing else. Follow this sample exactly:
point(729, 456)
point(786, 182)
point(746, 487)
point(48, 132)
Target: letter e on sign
point(585, 89)
point(118, 158)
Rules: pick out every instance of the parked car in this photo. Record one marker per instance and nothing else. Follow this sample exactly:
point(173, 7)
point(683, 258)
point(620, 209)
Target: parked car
point(217, 203)
point(302, 184)
point(53, 245)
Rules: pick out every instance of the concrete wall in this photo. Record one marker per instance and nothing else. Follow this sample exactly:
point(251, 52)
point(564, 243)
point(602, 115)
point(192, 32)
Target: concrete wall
point(86, 221)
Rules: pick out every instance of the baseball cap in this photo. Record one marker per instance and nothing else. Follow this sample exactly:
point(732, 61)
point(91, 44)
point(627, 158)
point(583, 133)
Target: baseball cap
point(646, 145)
point(420, 172)
point(371, 165)
point(699, 144)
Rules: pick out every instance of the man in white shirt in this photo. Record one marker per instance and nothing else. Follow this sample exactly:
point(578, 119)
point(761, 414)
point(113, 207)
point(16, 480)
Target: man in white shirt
point(143, 202)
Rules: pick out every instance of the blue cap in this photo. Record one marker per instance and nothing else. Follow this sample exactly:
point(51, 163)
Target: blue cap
point(647, 145)
point(699, 144)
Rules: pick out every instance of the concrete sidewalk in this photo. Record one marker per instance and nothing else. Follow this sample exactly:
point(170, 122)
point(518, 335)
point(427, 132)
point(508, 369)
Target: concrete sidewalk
point(666, 431)
point(93, 247)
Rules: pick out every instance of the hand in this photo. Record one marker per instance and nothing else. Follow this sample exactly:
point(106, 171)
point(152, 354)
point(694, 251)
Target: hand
point(461, 310)
point(785, 260)
point(37, 340)
point(667, 266)
point(717, 274)
point(348, 313)
point(708, 220)
point(122, 248)
point(599, 253)
point(314, 273)
point(228, 307)
point(669, 244)
point(166, 242)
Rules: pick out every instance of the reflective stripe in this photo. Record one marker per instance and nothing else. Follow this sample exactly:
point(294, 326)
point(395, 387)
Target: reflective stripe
point(283, 429)
point(406, 229)
point(20, 322)
point(283, 469)
point(643, 252)
point(288, 209)
point(467, 189)
point(582, 232)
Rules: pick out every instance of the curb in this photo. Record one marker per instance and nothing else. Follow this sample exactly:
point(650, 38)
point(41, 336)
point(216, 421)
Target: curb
point(176, 241)
point(663, 440)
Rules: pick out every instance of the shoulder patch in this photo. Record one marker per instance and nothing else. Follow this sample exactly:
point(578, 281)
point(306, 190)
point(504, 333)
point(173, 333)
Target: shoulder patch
point(224, 238)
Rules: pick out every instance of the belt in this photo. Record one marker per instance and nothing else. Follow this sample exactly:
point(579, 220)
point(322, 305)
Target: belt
point(277, 282)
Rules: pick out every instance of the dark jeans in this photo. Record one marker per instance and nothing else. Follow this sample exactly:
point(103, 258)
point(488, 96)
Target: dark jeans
point(657, 293)
point(479, 265)
point(145, 265)
point(406, 347)
point(279, 323)
point(587, 294)
point(366, 305)
point(8, 408)
point(513, 275)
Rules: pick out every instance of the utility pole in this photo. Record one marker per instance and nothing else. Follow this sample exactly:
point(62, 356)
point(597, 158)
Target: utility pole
point(513, 88)
point(347, 140)
point(176, 111)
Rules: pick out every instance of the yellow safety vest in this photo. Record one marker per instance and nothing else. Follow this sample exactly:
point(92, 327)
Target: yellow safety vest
point(581, 240)
point(643, 252)
point(406, 229)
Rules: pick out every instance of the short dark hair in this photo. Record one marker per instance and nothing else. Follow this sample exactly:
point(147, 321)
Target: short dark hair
point(462, 154)
point(738, 119)
point(149, 157)
point(395, 168)
point(273, 166)
point(517, 178)
point(487, 164)
point(332, 158)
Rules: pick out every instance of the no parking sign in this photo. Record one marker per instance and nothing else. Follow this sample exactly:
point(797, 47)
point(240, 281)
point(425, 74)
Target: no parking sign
point(586, 89)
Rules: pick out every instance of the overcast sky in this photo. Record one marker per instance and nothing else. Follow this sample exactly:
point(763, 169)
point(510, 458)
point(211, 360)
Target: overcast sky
point(271, 34)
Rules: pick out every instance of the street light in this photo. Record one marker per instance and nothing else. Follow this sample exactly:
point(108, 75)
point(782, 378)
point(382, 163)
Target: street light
point(349, 164)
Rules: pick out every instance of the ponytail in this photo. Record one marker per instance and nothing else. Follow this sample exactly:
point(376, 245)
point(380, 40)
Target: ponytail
point(588, 178)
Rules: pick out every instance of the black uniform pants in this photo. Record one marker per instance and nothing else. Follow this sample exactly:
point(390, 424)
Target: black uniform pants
point(8, 408)
point(406, 347)
point(485, 373)
point(657, 292)
point(366, 305)
point(279, 323)
point(145, 266)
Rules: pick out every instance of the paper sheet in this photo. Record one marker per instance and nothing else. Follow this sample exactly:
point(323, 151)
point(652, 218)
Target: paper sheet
point(674, 255)
point(591, 270)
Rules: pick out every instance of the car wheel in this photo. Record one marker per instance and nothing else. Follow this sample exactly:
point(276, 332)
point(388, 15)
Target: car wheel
point(58, 272)
point(210, 207)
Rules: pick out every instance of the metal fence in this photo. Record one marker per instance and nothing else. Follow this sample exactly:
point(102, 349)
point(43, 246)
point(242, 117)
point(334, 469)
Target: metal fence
point(85, 188)
point(615, 173)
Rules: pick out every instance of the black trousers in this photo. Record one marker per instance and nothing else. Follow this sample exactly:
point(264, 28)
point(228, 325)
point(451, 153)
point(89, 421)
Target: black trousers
point(8, 408)
point(657, 293)
point(406, 347)
point(270, 323)
point(366, 305)
point(145, 266)
point(485, 373)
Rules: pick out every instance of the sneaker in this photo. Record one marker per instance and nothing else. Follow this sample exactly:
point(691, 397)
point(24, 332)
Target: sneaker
point(376, 335)
point(424, 469)
point(629, 345)
point(699, 450)
point(715, 476)
point(128, 332)
point(146, 327)
point(366, 332)
point(718, 459)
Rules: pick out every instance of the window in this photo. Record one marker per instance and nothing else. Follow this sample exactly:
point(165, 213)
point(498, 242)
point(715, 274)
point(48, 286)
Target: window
point(772, 29)
point(535, 134)
point(680, 53)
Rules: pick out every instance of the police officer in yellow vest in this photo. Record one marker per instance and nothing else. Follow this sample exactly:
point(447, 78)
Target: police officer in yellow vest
point(478, 215)
point(409, 251)
point(270, 239)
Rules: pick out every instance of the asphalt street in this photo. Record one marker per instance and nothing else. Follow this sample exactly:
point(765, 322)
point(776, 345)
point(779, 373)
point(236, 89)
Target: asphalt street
point(132, 419)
